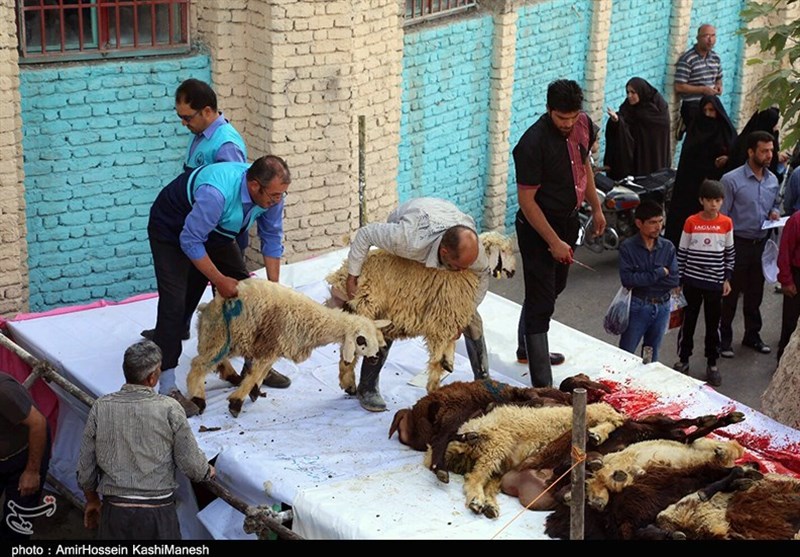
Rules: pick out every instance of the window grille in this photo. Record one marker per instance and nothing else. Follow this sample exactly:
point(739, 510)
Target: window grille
point(49, 30)
point(424, 10)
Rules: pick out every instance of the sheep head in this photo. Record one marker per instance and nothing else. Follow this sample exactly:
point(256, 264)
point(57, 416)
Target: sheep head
point(365, 339)
point(500, 251)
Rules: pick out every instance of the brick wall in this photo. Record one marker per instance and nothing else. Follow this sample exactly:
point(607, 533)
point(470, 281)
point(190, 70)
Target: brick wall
point(446, 87)
point(13, 251)
point(100, 140)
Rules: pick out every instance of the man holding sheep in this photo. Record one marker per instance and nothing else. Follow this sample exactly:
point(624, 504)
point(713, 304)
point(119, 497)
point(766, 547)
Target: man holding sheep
point(437, 234)
point(193, 226)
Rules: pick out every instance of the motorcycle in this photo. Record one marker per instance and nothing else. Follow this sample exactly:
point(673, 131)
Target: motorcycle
point(619, 200)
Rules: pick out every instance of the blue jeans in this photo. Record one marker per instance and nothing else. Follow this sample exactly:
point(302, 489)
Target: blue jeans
point(647, 323)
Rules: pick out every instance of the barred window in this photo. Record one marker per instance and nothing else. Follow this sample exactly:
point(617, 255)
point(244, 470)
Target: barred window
point(50, 30)
point(423, 10)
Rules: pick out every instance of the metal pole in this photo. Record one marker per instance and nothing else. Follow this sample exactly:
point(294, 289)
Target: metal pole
point(576, 522)
point(362, 163)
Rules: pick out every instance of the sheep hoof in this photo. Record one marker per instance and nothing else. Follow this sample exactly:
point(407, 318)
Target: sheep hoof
point(735, 417)
point(200, 403)
point(594, 438)
point(350, 389)
point(255, 393)
point(491, 511)
point(476, 506)
point(235, 407)
point(677, 536)
point(443, 476)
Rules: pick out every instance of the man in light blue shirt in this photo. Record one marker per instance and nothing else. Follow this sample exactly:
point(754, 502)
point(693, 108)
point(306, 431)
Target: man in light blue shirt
point(193, 226)
point(751, 197)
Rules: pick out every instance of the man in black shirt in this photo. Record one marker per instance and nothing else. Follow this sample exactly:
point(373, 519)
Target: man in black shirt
point(554, 174)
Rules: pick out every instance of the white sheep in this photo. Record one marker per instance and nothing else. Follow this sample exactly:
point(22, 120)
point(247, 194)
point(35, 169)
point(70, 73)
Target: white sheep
point(419, 301)
point(620, 469)
point(267, 321)
point(491, 445)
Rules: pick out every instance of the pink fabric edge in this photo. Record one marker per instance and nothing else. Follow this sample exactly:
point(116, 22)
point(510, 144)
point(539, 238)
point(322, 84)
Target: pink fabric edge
point(72, 309)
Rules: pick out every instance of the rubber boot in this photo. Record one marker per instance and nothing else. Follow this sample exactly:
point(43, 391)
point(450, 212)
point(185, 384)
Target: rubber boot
point(539, 360)
point(478, 359)
point(368, 391)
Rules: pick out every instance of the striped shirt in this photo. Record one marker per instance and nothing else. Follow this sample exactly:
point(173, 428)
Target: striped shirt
point(132, 443)
point(694, 69)
point(705, 252)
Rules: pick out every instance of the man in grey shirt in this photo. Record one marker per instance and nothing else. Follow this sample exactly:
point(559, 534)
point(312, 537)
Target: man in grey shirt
point(751, 197)
point(437, 234)
point(133, 441)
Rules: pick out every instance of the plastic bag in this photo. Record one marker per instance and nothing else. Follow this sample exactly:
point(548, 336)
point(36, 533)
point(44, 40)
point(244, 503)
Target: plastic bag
point(677, 301)
point(616, 320)
point(769, 261)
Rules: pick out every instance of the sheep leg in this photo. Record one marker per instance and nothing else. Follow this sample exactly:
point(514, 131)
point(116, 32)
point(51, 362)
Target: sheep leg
point(440, 360)
point(716, 423)
point(249, 381)
point(347, 376)
point(227, 373)
point(474, 484)
point(196, 381)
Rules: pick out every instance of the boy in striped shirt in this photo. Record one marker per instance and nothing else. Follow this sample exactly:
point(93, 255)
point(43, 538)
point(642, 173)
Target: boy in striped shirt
point(705, 263)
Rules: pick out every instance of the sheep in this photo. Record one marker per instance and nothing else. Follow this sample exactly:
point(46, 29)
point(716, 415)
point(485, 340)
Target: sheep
point(437, 416)
point(268, 321)
point(487, 447)
point(620, 469)
point(765, 509)
point(534, 475)
point(419, 301)
point(629, 513)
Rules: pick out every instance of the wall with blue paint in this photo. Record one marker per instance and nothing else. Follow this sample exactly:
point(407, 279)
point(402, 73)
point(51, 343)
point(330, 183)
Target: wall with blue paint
point(99, 141)
point(552, 42)
point(724, 15)
point(445, 113)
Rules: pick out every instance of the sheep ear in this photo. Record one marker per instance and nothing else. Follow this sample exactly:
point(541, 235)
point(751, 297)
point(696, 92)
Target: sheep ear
point(348, 350)
point(382, 323)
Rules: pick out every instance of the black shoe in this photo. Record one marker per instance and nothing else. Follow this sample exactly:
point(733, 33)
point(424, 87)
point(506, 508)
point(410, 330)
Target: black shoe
point(275, 380)
point(681, 366)
point(556, 358)
point(726, 352)
point(758, 346)
point(150, 334)
point(713, 376)
point(188, 406)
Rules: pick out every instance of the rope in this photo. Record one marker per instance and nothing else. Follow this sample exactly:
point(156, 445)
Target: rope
point(578, 456)
point(230, 309)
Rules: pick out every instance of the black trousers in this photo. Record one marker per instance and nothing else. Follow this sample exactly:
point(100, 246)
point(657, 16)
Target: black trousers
point(137, 523)
point(19, 510)
point(748, 280)
point(545, 278)
point(180, 287)
point(791, 313)
point(711, 302)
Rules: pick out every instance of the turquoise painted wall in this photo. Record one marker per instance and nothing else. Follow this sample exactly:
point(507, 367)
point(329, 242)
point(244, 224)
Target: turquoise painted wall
point(637, 47)
point(724, 15)
point(445, 113)
point(100, 140)
point(552, 41)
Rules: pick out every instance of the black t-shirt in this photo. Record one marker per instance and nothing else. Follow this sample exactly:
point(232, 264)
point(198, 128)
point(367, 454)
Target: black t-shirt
point(541, 158)
point(15, 405)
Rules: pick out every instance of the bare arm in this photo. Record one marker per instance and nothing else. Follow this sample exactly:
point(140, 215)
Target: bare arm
point(29, 481)
point(598, 218)
point(273, 266)
point(685, 88)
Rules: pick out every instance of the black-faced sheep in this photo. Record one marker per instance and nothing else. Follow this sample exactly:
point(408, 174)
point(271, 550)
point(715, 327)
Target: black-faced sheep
point(433, 304)
point(436, 417)
point(620, 469)
point(765, 509)
point(489, 446)
point(268, 321)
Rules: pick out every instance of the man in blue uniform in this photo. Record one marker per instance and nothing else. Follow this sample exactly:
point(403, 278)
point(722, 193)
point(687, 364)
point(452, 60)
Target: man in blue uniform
point(193, 226)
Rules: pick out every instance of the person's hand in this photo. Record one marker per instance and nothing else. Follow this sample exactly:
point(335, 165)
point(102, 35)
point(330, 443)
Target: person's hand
point(774, 215)
point(726, 288)
point(352, 286)
point(29, 482)
point(228, 287)
point(708, 90)
point(783, 157)
point(721, 161)
point(789, 291)
point(91, 514)
point(561, 252)
point(666, 271)
point(612, 114)
point(599, 223)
